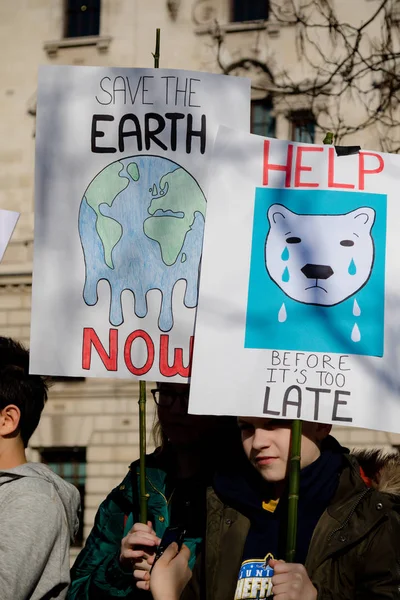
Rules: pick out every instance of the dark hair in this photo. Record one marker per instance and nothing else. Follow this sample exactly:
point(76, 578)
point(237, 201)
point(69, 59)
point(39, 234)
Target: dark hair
point(160, 440)
point(223, 434)
point(17, 386)
point(224, 438)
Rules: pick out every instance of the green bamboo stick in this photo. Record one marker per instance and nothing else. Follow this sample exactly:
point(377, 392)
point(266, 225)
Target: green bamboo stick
point(294, 487)
point(156, 54)
point(328, 139)
point(142, 385)
point(142, 466)
point(294, 466)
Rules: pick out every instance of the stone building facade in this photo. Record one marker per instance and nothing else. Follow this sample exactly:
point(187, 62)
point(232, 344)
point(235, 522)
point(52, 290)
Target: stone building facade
point(89, 430)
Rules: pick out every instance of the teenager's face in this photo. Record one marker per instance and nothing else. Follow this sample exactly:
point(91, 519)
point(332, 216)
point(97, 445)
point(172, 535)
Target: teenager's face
point(179, 427)
point(266, 443)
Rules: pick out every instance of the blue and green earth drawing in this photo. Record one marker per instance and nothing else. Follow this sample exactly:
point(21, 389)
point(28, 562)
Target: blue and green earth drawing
point(141, 224)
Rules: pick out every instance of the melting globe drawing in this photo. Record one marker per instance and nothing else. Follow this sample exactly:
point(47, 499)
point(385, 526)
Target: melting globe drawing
point(141, 225)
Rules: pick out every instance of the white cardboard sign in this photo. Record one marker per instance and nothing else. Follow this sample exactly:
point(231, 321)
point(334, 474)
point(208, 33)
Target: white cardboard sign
point(120, 204)
point(8, 221)
point(300, 292)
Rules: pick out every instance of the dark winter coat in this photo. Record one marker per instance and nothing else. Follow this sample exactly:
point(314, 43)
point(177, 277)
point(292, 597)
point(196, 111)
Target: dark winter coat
point(354, 553)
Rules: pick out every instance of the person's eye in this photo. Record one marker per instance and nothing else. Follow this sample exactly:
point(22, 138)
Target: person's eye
point(293, 240)
point(347, 243)
point(243, 426)
point(277, 423)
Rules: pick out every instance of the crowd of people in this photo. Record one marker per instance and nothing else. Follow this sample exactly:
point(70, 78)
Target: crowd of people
point(221, 482)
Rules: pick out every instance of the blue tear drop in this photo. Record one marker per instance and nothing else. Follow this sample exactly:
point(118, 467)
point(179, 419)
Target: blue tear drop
point(352, 268)
point(285, 254)
point(285, 275)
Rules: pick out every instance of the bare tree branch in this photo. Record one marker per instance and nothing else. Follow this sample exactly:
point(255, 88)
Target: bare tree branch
point(352, 68)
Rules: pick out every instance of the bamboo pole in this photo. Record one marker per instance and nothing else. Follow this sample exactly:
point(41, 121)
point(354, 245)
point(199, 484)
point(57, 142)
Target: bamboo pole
point(142, 466)
point(294, 466)
point(142, 386)
point(328, 139)
point(294, 487)
point(156, 54)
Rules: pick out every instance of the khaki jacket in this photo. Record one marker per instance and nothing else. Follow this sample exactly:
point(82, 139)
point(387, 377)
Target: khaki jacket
point(354, 553)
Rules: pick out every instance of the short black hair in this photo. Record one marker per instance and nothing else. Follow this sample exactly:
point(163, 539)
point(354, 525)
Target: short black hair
point(17, 386)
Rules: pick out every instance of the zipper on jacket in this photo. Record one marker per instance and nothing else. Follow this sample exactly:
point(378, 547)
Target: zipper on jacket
point(157, 490)
point(154, 488)
point(362, 496)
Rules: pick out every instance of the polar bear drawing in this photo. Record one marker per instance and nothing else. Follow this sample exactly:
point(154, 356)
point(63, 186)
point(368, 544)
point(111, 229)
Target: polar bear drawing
point(319, 259)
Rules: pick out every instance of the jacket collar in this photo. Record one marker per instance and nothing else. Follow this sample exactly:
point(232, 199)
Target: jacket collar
point(158, 465)
point(358, 504)
point(381, 469)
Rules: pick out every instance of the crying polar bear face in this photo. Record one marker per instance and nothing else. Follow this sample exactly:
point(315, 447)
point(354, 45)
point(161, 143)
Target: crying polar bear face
point(319, 259)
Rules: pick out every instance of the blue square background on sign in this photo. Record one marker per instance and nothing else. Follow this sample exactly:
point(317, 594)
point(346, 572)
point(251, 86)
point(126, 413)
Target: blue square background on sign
point(311, 328)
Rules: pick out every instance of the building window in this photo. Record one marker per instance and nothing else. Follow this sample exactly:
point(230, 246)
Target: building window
point(70, 464)
point(82, 18)
point(249, 10)
point(302, 126)
point(262, 121)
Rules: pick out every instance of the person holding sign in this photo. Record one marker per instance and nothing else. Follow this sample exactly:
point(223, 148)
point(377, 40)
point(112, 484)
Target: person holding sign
point(348, 522)
point(120, 550)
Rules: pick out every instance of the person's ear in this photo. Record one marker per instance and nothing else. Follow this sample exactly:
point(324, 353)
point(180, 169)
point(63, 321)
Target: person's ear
point(322, 431)
point(10, 417)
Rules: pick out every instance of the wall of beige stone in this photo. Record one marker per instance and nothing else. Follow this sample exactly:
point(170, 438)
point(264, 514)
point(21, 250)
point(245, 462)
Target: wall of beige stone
point(102, 415)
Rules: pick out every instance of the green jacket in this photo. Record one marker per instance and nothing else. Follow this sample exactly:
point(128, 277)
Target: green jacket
point(355, 549)
point(96, 573)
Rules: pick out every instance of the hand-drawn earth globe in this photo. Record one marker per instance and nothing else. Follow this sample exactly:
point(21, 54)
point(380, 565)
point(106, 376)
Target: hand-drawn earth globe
point(141, 225)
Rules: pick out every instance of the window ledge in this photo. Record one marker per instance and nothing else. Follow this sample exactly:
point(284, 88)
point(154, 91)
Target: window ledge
point(102, 43)
point(16, 275)
point(272, 28)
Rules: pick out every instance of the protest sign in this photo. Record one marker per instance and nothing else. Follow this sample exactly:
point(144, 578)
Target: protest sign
point(120, 203)
point(299, 299)
point(8, 221)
